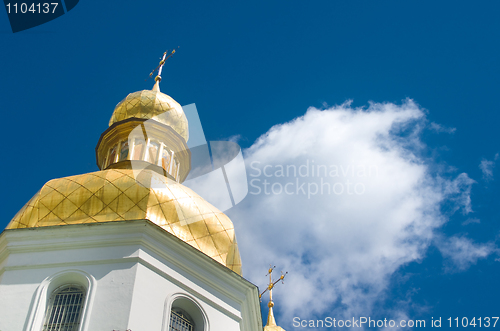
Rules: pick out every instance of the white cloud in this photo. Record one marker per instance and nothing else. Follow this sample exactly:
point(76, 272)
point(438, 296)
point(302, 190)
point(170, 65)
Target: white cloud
point(378, 210)
point(440, 128)
point(463, 252)
point(457, 192)
point(471, 221)
point(235, 138)
point(487, 166)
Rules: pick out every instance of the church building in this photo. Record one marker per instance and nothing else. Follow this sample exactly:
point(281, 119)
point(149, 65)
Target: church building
point(127, 247)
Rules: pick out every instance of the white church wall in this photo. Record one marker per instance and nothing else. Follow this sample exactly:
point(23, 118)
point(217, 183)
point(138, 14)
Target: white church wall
point(24, 296)
point(16, 295)
point(155, 295)
point(111, 307)
point(148, 300)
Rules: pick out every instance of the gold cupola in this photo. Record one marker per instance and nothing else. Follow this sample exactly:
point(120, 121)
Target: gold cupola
point(147, 129)
point(143, 158)
point(152, 104)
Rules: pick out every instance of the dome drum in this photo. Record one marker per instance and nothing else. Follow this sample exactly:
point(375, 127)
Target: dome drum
point(144, 140)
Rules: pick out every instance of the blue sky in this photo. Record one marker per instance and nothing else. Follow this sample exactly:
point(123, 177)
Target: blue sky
point(253, 66)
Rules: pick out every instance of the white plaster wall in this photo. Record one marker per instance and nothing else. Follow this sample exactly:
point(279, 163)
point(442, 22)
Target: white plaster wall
point(109, 310)
point(148, 300)
point(16, 294)
point(153, 296)
point(219, 320)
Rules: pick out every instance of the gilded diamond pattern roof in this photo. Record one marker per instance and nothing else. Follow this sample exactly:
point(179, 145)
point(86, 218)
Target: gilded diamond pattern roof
point(117, 195)
point(155, 105)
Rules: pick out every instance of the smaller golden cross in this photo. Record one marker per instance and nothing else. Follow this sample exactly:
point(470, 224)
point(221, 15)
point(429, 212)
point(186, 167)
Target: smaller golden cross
point(272, 283)
point(271, 323)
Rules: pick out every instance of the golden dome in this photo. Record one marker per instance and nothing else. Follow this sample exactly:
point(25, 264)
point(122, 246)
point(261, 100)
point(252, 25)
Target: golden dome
point(152, 104)
point(117, 195)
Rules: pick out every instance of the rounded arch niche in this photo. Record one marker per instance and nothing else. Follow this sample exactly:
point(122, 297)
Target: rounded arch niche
point(183, 303)
point(50, 285)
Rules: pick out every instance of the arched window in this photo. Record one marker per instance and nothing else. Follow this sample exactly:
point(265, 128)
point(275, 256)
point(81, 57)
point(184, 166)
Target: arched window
point(180, 321)
point(152, 155)
point(184, 313)
point(123, 151)
point(65, 309)
point(138, 148)
point(165, 159)
point(112, 155)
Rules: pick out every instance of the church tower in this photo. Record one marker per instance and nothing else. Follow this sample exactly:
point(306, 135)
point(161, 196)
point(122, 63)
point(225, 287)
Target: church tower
point(127, 247)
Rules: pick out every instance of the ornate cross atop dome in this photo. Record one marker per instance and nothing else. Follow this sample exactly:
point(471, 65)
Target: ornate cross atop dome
point(156, 87)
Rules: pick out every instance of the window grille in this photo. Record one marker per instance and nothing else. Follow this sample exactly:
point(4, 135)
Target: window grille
point(65, 308)
point(180, 321)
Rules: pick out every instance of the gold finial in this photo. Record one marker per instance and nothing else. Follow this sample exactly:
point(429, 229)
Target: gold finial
point(156, 87)
point(271, 322)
